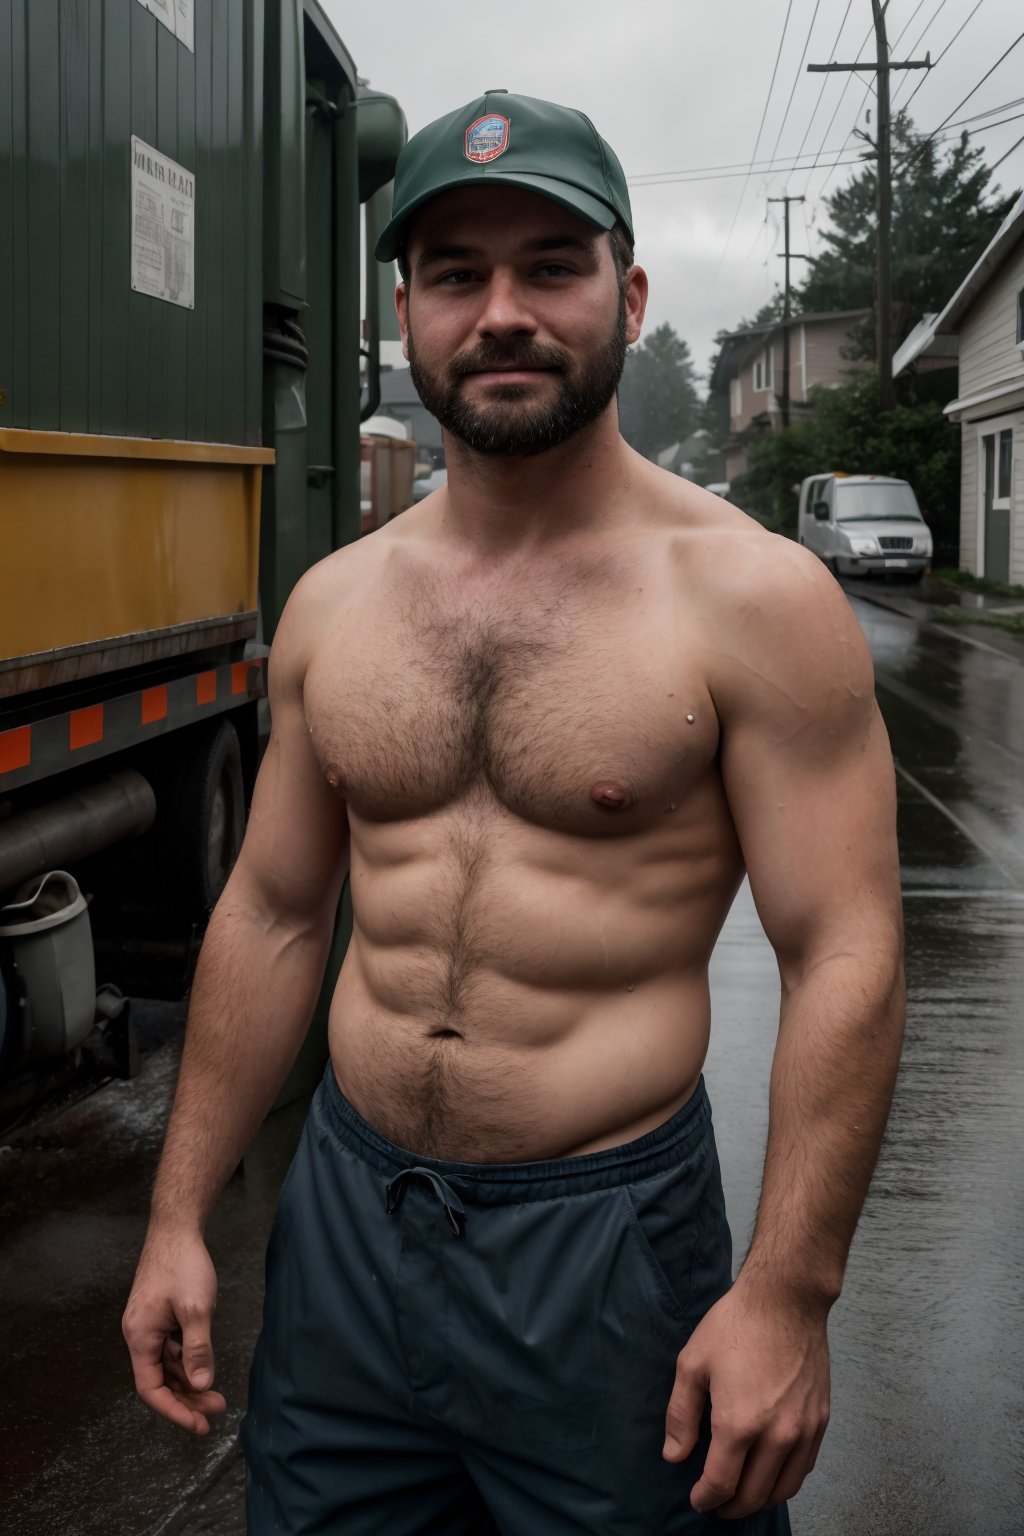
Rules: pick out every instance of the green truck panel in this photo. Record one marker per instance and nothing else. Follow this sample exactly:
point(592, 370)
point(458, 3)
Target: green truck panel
point(79, 350)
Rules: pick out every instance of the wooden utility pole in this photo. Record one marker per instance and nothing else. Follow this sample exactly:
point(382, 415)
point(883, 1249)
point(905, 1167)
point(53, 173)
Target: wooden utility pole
point(883, 290)
point(787, 257)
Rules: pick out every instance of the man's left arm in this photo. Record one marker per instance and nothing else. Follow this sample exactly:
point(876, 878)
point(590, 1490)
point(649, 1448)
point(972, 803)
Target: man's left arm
point(809, 778)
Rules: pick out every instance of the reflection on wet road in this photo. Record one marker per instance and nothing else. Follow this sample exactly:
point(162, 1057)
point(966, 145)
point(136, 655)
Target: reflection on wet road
point(927, 1435)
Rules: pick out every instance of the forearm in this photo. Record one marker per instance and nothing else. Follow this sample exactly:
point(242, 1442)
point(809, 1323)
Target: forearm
point(255, 988)
point(832, 1079)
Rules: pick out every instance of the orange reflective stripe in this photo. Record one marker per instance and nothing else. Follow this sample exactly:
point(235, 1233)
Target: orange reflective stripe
point(85, 726)
point(206, 688)
point(239, 676)
point(154, 704)
point(15, 748)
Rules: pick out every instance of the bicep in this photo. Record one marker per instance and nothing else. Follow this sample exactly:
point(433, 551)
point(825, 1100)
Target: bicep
point(809, 778)
point(295, 854)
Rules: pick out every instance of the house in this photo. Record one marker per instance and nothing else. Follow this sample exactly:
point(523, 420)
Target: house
point(399, 400)
point(984, 323)
point(749, 368)
point(681, 458)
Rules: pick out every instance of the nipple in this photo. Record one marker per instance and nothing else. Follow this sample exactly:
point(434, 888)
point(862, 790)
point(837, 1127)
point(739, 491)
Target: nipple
point(613, 797)
point(334, 778)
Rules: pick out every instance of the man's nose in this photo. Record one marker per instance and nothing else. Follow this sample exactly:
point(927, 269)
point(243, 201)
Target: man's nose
point(506, 311)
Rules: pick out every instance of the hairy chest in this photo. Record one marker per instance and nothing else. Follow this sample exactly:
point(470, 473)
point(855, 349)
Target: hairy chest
point(587, 713)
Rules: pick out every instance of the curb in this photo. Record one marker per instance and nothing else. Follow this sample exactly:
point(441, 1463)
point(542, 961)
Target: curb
point(919, 612)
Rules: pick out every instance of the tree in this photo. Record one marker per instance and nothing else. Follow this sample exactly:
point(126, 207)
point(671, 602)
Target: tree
point(942, 220)
point(658, 403)
point(848, 431)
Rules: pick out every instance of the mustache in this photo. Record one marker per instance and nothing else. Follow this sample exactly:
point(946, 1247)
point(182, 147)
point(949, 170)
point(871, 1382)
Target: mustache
point(507, 355)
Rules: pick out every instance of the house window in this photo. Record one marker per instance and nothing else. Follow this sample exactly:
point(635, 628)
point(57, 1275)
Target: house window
point(764, 370)
point(1005, 478)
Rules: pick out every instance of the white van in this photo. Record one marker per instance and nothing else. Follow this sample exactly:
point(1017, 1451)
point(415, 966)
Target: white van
point(861, 524)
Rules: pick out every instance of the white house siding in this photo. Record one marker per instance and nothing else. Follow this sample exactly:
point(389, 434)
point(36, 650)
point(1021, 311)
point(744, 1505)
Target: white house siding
point(989, 352)
point(969, 499)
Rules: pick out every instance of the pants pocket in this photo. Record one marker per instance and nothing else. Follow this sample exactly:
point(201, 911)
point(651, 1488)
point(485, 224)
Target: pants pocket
point(680, 1237)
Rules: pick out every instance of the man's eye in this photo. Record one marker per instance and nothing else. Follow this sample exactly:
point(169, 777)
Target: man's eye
point(555, 269)
point(457, 279)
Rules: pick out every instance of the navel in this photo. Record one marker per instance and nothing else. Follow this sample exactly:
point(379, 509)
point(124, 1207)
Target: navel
point(612, 797)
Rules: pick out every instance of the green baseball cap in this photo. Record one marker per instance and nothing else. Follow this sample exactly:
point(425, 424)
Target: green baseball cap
point(515, 141)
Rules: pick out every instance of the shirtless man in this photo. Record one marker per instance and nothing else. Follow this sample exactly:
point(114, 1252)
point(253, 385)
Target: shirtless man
point(545, 720)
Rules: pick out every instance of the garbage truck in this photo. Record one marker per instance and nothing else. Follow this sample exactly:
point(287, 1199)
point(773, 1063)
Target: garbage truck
point(190, 191)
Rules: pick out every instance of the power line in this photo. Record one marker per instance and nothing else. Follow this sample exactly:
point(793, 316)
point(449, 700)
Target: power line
point(734, 168)
point(945, 50)
point(971, 92)
point(674, 181)
point(838, 160)
point(1009, 152)
point(824, 83)
point(924, 33)
point(796, 78)
point(835, 114)
point(757, 145)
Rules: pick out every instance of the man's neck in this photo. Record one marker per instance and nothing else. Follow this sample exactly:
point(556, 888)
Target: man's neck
point(508, 507)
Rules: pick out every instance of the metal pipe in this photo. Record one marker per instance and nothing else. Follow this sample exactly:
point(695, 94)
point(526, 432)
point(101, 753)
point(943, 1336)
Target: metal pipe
point(79, 824)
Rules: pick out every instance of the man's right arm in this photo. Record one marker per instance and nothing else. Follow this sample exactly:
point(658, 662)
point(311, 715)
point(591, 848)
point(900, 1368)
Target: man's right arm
point(256, 984)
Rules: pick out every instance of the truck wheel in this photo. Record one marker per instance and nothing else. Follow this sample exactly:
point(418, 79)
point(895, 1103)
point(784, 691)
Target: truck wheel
point(206, 823)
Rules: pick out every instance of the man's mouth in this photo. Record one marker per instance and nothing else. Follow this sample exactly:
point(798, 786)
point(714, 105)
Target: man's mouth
point(508, 373)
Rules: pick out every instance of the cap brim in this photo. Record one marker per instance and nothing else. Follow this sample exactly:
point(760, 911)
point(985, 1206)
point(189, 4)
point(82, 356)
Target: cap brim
point(577, 201)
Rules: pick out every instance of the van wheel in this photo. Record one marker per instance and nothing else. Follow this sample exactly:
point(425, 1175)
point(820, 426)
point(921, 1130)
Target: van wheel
point(206, 817)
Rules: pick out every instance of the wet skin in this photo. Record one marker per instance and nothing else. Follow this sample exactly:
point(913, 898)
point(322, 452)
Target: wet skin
point(547, 718)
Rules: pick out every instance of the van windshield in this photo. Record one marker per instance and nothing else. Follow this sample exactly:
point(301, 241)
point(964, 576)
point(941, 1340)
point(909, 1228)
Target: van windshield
point(876, 503)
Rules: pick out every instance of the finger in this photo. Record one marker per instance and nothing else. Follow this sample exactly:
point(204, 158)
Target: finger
point(765, 1462)
point(723, 1469)
point(685, 1409)
point(197, 1351)
point(207, 1401)
point(164, 1402)
point(793, 1473)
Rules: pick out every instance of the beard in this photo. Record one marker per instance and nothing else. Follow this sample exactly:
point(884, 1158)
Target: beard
point(507, 424)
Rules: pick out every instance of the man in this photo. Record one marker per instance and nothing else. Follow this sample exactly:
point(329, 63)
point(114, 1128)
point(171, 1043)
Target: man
point(551, 715)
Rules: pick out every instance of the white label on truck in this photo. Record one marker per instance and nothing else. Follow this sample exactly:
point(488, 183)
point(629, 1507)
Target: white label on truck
point(163, 227)
point(178, 16)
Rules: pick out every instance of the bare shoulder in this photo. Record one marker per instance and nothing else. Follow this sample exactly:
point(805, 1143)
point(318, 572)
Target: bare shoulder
point(314, 605)
point(780, 632)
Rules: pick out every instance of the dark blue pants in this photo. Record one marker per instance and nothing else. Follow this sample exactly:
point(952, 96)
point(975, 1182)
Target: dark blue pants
point(468, 1349)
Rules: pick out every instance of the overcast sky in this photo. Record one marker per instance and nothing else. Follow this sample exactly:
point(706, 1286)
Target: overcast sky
point(680, 86)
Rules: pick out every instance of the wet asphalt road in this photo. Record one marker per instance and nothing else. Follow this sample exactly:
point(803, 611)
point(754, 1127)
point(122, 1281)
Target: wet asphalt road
point(927, 1435)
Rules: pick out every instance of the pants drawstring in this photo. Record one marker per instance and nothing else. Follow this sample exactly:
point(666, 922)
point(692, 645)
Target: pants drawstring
point(453, 1206)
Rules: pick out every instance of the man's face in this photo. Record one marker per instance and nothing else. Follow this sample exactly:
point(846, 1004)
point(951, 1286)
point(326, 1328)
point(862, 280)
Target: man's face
point(514, 319)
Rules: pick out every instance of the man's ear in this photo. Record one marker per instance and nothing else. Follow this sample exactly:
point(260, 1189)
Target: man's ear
point(636, 303)
point(402, 310)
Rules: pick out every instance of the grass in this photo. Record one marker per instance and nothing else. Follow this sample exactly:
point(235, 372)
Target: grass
point(977, 583)
point(1012, 622)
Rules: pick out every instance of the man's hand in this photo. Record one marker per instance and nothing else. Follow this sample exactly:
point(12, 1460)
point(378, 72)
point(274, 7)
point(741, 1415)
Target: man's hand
point(166, 1326)
point(764, 1363)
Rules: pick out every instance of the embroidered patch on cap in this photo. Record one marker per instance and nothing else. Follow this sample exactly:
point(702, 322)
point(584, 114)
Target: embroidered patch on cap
point(487, 138)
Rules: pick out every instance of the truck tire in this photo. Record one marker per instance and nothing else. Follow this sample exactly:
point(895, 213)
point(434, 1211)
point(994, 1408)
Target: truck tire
point(206, 820)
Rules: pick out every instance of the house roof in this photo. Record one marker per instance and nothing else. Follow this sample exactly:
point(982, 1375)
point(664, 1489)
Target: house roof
point(926, 335)
point(737, 346)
